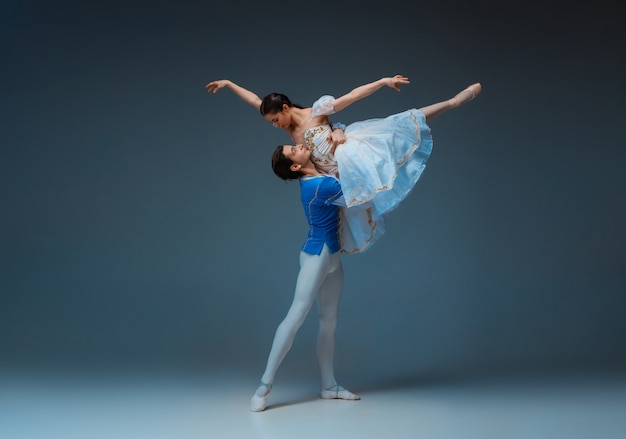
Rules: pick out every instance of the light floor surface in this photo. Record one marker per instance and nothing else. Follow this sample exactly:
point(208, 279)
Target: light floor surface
point(180, 407)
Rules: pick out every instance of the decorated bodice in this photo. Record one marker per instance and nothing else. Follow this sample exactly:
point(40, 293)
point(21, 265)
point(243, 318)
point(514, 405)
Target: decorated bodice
point(316, 140)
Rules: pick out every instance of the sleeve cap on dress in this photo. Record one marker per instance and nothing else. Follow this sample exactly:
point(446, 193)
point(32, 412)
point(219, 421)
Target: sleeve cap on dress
point(324, 106)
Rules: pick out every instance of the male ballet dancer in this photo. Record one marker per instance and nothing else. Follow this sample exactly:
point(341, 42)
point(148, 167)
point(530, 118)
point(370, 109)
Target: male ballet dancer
point(320, 276)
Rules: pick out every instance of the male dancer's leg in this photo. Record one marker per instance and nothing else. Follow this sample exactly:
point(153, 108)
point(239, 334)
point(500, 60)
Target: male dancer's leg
point(313, 271)
point(328, 302)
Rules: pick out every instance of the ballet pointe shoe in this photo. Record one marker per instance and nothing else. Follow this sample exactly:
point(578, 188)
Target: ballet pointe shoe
point(259, 402)
point(475, 89)
point(466, 95)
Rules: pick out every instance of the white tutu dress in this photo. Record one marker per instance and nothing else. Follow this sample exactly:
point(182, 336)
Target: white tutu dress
point(377, 166)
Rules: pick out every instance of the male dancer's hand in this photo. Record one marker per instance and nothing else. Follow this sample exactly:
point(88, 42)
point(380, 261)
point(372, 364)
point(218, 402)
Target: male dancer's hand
point(337, 137)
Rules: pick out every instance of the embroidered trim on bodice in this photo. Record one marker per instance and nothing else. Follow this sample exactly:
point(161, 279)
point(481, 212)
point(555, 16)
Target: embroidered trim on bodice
point(316, 140)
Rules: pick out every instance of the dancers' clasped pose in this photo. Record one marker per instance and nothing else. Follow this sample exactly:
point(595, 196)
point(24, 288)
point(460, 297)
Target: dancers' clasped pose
point(380, 160)
point(350, 178)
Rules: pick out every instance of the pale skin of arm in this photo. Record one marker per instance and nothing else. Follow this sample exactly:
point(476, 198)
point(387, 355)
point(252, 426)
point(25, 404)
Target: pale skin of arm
point(337, 136)
point(245, 95)
point(367, 89)
point(340, 103)
point(364, 91)
point(358, 93)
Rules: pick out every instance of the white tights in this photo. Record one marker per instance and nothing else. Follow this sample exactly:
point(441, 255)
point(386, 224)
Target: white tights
point(321, 278)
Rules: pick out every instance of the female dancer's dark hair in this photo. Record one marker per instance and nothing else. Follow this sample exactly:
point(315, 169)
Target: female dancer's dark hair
point(273, 103)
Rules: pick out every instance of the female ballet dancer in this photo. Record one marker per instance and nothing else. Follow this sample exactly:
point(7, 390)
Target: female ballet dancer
point(380, 160)
point(320, 276)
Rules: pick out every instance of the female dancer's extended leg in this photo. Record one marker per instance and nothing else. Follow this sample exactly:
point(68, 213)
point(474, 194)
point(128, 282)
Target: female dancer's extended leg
point(434, 110)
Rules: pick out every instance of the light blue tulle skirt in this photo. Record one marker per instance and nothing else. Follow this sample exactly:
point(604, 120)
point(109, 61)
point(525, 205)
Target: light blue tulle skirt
point(378, 167)
point(382, 159)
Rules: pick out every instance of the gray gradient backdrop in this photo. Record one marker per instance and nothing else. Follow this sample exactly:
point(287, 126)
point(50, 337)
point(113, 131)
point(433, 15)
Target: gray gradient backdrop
point(142, 228)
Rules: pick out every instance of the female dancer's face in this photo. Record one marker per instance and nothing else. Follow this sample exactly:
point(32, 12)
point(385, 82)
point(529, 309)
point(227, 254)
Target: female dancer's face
point(282, 119)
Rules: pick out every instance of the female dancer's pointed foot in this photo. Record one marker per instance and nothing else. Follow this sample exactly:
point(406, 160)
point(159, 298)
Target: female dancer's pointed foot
point(258, 402)
point(466, 95)
point(338, 392)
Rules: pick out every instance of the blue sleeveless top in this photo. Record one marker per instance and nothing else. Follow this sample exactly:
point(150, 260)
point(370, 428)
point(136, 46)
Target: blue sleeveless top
point(321, 196)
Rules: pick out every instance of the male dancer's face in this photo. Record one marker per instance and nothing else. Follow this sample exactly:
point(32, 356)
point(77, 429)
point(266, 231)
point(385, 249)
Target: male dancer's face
point(298, 154)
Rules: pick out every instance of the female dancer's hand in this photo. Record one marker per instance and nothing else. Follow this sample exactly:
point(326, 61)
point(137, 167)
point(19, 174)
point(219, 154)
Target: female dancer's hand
point(214, 86)
point(396, 81)
point(246, 95)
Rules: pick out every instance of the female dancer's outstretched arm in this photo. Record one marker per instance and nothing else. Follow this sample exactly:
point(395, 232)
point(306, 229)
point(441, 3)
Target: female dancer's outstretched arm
point(367, 89)
point(246, 95)
point(337, 136)
point(340, 103)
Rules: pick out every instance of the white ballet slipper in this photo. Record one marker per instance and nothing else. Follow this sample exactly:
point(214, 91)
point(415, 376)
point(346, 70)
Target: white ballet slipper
point(338, 392)
point(259, 402)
